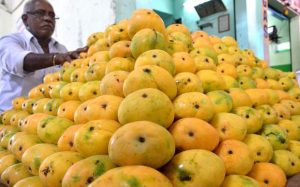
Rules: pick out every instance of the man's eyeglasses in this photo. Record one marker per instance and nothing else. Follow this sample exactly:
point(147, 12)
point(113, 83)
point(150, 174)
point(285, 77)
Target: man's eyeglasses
point(42, 14)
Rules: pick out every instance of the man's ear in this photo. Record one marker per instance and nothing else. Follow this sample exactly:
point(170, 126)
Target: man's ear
point(24, 19)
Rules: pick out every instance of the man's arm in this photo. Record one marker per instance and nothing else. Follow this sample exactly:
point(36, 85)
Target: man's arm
point(34, 61)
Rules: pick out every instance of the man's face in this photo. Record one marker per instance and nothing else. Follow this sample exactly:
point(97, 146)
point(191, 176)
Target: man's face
point(40, 21)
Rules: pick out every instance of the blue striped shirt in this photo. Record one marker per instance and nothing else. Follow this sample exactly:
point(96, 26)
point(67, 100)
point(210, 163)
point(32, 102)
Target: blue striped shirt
point(14, 81)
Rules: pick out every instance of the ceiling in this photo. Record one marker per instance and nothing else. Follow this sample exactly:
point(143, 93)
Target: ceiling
point(279, 6)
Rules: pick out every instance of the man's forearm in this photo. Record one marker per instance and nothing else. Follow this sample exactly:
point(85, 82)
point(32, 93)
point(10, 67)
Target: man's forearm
point(33, 61)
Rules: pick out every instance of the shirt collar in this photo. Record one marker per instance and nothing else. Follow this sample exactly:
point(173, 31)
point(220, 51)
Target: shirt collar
point(29, 37)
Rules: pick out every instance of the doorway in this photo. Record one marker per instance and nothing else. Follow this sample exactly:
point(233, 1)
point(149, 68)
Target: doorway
point(280, 42)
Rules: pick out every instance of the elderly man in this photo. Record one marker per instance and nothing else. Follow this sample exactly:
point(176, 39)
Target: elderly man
point(26, 57)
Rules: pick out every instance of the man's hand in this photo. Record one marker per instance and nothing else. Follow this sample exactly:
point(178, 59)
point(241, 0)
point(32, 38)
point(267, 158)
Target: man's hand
point(76, 53)
point(61, 58)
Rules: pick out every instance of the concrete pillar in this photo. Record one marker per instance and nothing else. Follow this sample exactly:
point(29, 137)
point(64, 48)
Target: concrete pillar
point(295, 42)
point(250, 22)
point(241, 25)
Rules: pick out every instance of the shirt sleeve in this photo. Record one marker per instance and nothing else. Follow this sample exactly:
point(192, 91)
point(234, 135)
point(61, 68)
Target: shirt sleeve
point(12, 56)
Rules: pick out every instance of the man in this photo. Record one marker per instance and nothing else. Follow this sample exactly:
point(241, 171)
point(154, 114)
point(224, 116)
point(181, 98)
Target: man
point(26, 57)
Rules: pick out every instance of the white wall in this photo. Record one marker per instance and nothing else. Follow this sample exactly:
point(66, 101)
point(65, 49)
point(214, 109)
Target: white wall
point(78, 19)
point(5, 22)
point(17, 24)
point(124, 9)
